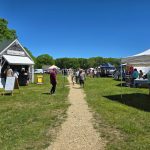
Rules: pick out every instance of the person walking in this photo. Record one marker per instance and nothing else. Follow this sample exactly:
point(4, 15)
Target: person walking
point(73, 77)
point(53, 81)
point(81, 78)
point(77, 76)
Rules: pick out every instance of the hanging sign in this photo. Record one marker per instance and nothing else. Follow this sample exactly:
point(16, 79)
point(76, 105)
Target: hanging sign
point(18, 53)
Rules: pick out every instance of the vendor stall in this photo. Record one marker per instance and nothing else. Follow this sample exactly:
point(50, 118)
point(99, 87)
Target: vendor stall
point(14, 55)
point(138, 60)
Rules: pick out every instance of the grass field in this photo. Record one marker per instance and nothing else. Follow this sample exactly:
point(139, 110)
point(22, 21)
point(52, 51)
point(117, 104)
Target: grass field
point(123, 123)
point(29, 120)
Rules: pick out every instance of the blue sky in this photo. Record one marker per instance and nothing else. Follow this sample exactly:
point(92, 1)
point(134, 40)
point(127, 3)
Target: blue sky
point(80, 28)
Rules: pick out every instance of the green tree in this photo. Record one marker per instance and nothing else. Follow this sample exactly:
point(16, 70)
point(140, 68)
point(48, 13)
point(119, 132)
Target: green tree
point(83, 63)
point(44, 59)
point(91, 62)
point(73, 63)
point(67, 63)
point(61, 62)
point(114, 61)
point(5, 32)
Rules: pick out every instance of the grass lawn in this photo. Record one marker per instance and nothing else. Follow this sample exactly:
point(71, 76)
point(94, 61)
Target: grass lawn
point(124, 123)
point(29, 120)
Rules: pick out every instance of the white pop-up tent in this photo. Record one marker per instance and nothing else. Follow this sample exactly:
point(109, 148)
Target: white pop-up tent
point(54, 67)
point(141, 59)
point(138, 60)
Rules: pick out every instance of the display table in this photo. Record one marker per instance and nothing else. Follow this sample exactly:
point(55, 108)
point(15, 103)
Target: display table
point(141, 82)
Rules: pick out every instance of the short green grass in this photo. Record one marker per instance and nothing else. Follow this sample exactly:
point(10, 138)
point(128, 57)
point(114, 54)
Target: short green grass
point(30, 119)
point(124, 123)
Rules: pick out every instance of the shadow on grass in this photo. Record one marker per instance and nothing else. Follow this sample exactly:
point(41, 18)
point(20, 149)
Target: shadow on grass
point(46, 93)
point(7, 94)
point(136, 100)
point(123, 85)
point(132, 86)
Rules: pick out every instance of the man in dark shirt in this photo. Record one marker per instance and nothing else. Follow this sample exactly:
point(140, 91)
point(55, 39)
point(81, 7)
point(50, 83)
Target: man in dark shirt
point(53, 81)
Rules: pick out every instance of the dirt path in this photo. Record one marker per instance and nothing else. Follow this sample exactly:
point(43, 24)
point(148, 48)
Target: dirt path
point(77, 132)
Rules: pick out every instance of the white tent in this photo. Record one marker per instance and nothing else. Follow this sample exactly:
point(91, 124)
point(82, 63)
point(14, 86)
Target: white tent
point(54, 67)
point(91, 68)
point(138, 60)
point(141, 59)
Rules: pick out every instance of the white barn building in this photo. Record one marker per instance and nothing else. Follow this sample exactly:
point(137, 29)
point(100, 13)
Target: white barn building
point(13, 54)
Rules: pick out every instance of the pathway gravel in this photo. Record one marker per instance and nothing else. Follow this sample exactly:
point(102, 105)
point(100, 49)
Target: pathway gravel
point(77, 132)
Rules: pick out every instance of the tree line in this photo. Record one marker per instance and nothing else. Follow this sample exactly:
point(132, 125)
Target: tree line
point(46, 59)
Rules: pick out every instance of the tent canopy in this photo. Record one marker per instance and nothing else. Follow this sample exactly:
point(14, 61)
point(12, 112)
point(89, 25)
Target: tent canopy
point(53, 67)
point(18, 60)
point(91, 68)
point(141, 59)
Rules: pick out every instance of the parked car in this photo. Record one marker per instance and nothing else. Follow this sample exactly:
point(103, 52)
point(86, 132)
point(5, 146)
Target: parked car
point(47, 71)
point(107, 69)
point(38, 71)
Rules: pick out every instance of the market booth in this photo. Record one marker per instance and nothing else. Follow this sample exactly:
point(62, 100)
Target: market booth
point(138, 61)
point(13, 54)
